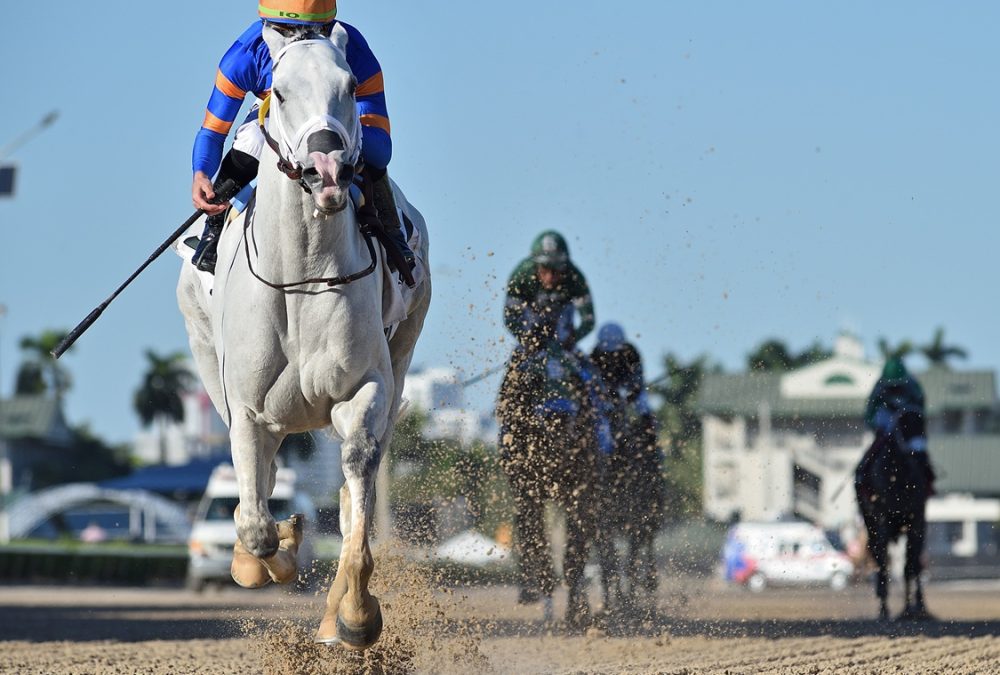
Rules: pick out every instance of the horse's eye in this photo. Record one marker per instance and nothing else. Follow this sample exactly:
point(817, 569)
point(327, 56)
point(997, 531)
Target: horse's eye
point(277, 95)
point(353, 87)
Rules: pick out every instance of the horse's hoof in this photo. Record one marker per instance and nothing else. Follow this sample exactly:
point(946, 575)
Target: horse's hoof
point(246, 570)
point(332, 640)
point(282, 566)
point(548, 610)
point(361, 637)
point(915, 614)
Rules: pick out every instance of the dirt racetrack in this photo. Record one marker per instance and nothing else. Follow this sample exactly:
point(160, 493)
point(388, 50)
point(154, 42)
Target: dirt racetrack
point(701, 627)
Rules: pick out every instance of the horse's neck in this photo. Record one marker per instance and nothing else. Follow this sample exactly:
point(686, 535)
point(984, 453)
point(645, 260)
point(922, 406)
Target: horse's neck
point(293, 244)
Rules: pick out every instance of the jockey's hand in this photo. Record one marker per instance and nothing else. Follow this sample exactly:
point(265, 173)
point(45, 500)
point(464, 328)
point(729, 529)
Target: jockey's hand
point(202, 193)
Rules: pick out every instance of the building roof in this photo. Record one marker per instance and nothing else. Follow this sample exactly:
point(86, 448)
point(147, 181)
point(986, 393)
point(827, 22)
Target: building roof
point(743, 394)
point(966, 463)
point(190, 478)
point(37, 417)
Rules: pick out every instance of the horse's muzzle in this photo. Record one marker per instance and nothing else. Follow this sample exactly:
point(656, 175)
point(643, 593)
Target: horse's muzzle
point(328, 178)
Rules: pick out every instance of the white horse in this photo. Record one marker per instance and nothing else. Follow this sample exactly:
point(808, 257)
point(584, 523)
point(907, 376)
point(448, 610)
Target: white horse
point(292, 337)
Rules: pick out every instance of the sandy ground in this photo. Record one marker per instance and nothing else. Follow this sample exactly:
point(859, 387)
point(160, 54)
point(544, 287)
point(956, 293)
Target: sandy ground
point(701, 627)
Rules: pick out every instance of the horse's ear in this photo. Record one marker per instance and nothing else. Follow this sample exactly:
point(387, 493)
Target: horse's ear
point(275, 41)
point(338, 36)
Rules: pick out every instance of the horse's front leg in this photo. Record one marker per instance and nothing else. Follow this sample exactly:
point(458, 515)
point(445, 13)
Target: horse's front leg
point(353, 616)
point(264, 551)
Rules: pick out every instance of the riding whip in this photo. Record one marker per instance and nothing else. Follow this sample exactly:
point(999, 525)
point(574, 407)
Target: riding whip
point(224, 193)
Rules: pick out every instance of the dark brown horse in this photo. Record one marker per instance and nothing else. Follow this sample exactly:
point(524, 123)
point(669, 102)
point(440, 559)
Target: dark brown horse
point(548, 451)
point(632, 507)
point(893, 483)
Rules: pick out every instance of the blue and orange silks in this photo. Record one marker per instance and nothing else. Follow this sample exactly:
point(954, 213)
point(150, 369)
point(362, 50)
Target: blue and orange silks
point(246, 69)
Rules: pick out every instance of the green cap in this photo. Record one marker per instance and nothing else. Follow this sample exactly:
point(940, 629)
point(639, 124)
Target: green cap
point(549, 249)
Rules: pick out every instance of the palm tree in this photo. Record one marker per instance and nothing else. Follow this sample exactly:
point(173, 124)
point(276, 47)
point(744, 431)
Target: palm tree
point(159, 396)
point(938, 353)
point(40, 364)
point(900, 350)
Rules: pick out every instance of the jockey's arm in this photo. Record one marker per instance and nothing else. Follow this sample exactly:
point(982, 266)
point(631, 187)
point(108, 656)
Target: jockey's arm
point(376, 147)
point(522, 287)
point(583, 302)
point(236, 75)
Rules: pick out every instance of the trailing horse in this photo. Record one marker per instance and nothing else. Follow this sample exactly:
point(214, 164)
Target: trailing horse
point(893, 483)
point(548, 449)
point(632, 495)
point(292, 337)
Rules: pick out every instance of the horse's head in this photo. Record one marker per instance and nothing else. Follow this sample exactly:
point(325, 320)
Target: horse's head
point(313, 114)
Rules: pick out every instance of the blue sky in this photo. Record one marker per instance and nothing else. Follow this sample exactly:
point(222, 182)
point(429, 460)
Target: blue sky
point(724, 171)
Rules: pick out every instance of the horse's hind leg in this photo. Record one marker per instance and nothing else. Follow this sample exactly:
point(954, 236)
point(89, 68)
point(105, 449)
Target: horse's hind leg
point(353, 616)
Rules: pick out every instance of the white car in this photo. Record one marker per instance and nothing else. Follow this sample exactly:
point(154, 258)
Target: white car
point(783, 554)
point(213, 534)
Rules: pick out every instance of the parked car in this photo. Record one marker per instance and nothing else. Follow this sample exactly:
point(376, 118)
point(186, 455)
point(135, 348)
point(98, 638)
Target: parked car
point(213, 534)
point(759, 555)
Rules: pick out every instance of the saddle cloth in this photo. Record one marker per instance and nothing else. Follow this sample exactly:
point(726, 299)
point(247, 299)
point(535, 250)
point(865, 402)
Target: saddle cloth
point(397, 297)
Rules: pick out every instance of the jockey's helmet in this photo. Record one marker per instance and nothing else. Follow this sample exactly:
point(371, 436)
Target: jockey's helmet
point(610, 338)
point(298, 12)
point(550, 250)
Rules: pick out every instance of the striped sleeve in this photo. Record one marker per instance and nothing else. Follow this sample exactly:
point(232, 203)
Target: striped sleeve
point(372, 110)
point(232, 81)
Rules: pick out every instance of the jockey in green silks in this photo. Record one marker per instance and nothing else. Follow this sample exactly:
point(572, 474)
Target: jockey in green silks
point(547, 287)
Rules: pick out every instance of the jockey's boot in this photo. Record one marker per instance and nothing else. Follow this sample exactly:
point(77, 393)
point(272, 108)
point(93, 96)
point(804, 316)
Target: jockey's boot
point(204, 257)
point(385, 205)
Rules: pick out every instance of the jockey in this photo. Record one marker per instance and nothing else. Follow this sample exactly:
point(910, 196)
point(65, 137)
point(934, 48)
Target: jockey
point(620, 367)
point(897, 394)
point(544, 292)
point(246, 69)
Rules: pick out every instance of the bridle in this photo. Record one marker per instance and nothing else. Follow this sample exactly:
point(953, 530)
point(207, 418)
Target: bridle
point(285, 147)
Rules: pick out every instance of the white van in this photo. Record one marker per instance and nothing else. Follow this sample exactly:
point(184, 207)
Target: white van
point(783, 554)
point(213, 534)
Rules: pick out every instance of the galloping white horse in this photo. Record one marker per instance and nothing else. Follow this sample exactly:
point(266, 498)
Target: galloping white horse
point(292, 337)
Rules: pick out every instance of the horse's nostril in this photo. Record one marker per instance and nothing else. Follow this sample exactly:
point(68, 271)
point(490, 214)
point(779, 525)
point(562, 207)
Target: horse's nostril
point(310, 174)
point(345, 175)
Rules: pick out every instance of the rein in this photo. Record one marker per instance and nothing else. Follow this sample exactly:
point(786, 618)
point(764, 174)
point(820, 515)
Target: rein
point(328, 281)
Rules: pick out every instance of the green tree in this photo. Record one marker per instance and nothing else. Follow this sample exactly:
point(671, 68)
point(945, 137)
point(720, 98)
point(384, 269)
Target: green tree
point(774, 356)
point(815, 353)
point(40, 372)
point(680, 429)
point(938, 353)
point(158, 398)
point(901, 350)
point(771, 355)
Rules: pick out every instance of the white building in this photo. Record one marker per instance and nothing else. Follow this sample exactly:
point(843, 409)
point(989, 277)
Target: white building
point(781, 444)
point(438, 393)
point(202, 434)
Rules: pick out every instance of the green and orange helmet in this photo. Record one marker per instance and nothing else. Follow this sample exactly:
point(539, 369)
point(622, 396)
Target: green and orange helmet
point(298, 12)
point(549, 249)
